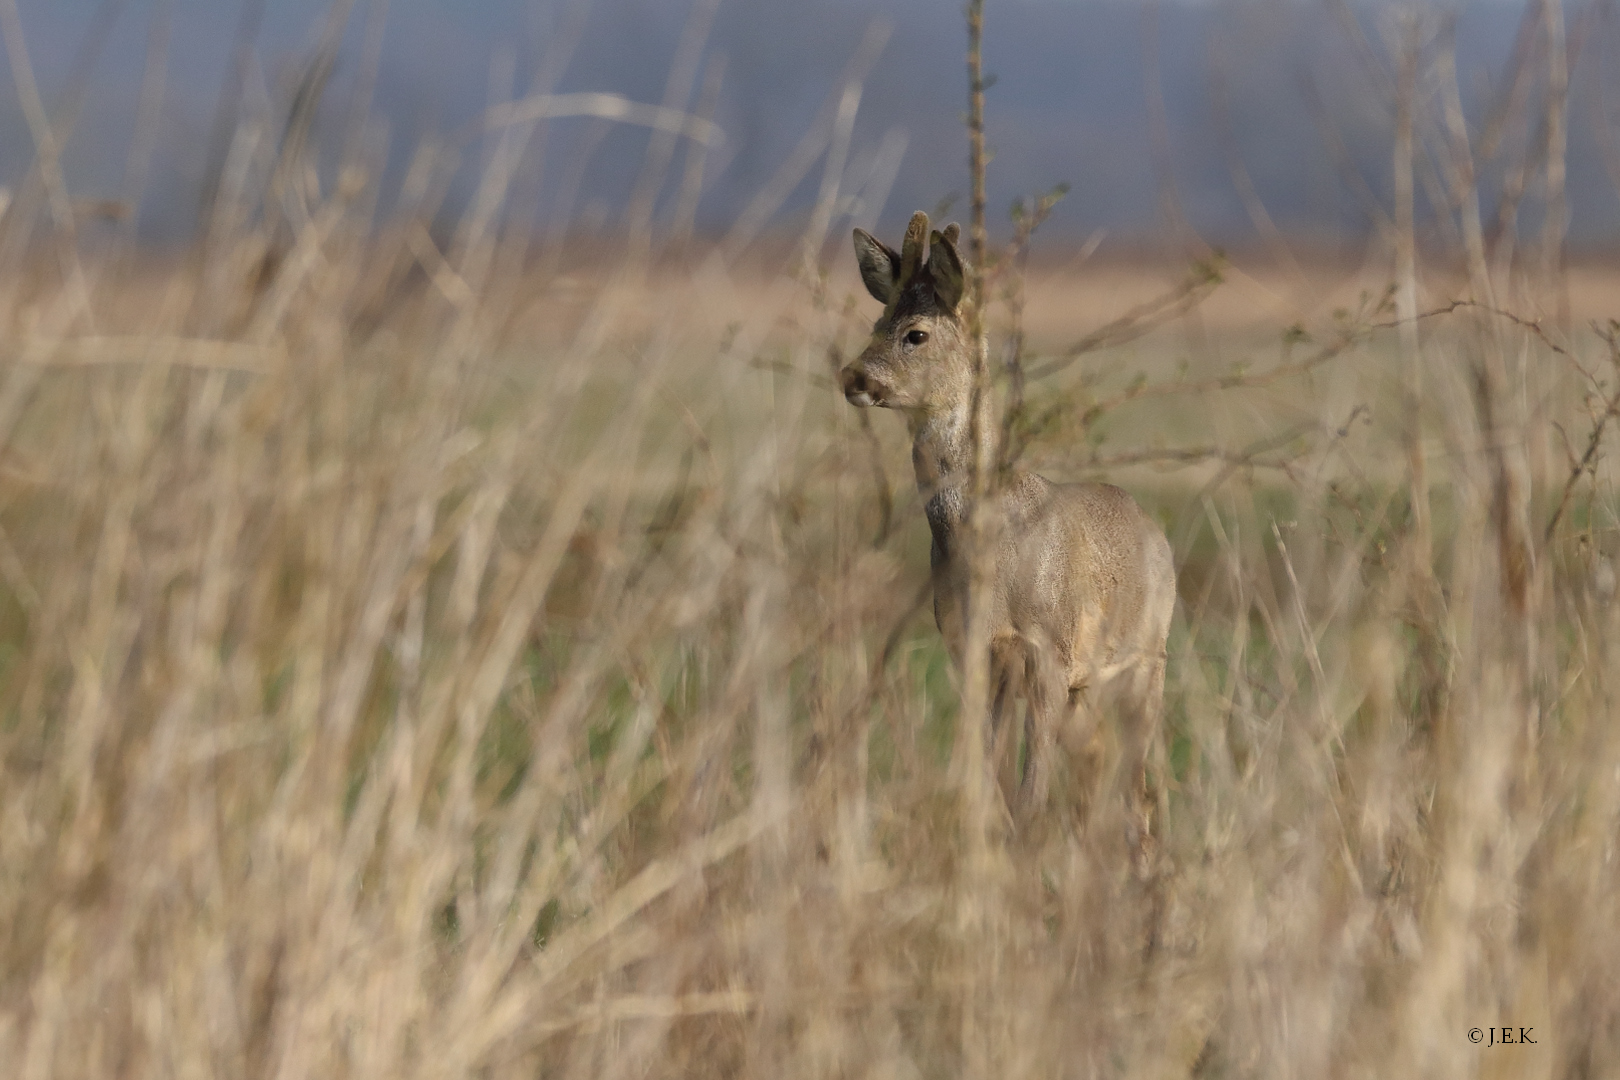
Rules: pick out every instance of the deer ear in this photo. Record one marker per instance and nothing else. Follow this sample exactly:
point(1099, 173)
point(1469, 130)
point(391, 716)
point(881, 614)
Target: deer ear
point(953, 232)
point(945, 267)
point(880, 266)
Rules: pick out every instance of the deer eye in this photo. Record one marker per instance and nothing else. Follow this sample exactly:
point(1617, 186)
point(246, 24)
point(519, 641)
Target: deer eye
point(916, 337)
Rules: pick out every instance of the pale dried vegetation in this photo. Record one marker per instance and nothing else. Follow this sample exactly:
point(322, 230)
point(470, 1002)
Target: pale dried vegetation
point(413, 665)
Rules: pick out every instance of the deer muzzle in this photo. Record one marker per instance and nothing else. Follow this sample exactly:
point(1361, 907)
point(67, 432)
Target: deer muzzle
point(859, 389)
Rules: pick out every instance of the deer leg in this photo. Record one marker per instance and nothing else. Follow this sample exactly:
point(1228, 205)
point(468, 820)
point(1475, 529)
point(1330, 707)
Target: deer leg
point(1000, 742)
point(1048, 704)
point(1143, 715)
point(1153, 720)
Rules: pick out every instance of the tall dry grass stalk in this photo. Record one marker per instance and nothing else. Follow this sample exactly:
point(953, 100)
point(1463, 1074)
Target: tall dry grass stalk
point(411, 667)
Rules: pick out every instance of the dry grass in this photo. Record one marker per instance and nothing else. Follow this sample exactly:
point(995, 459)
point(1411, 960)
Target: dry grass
point(495, 676)
point(425, 657)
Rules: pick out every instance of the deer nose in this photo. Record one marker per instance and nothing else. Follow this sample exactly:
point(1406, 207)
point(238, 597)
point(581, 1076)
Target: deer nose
point(858, 389)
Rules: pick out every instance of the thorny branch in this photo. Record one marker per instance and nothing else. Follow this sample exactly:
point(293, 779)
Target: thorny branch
point(1148, 315)
point(1240, 379)
point(1015, 259)
point(1252, 457)
point(1611, 410)
point(1532, 325)
point(1611, 401)
point(1141, 319)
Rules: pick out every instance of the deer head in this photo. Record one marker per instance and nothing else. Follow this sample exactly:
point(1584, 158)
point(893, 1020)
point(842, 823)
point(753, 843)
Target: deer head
point(920, 357)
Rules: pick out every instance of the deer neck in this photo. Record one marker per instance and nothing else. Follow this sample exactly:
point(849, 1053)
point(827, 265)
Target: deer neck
point(942, 455)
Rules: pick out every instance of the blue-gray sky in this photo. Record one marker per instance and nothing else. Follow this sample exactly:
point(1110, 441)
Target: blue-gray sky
point(1071, 102)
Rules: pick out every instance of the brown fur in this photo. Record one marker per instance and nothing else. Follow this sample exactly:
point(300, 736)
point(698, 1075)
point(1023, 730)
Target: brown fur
point(1084, 581)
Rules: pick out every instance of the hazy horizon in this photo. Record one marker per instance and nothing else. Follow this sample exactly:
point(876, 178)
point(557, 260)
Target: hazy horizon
point(1257, 89)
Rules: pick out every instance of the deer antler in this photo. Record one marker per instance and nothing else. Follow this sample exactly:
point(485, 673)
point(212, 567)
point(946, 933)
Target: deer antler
point(911, 252)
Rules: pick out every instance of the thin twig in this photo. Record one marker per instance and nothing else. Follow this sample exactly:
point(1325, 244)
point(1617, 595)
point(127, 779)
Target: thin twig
point(1188, 455)
point(1249, 457)
point(1410, 46)
point(976, 160)
point(880, 480)
point(1343, 160)
point(47, 150)
point(1532, 325)
point(816, 139)
point(605, 106)
point(660, 150)
point(1611, 410)
point(891, 641)
point(969, 753)
point(686, 201)
point(1240, 380)
point(1243, 380)
point(1139, 320)
point(1015, 263)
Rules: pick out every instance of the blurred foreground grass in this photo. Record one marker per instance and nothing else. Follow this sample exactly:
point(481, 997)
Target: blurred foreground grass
point(415, 672)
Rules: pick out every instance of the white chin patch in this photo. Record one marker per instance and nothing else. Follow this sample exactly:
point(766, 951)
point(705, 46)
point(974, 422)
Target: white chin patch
point(861, 398)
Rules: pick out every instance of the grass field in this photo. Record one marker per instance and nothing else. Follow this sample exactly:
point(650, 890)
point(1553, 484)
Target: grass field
point(412, 665)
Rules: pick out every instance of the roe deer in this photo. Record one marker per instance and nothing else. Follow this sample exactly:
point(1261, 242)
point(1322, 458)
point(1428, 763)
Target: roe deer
point(1084, 584)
